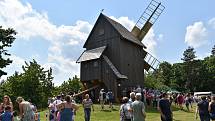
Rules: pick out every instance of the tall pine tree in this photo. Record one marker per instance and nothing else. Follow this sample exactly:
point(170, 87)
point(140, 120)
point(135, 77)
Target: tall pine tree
point(189, 54)
point(213, 51)
point(189, 68)
point(6, 40)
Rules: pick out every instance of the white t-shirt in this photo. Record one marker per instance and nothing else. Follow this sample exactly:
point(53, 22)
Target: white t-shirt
point(101, 97)
point(55, 103)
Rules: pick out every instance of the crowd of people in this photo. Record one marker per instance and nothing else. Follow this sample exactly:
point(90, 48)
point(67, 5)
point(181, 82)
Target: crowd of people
point(133, 107)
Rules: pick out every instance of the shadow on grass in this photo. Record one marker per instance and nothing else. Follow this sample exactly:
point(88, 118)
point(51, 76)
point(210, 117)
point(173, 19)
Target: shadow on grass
point(174, 108)
point(114, 109)
point(151, 109)
point(105, 110)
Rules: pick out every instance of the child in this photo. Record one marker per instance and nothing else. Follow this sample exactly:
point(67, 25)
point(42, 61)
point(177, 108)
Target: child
point(7, 115)
point(36, 116)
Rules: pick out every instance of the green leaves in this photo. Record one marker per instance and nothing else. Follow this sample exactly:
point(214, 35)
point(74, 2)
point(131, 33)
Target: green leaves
point(34, 83)
point(71, 85)
point(189, 54)
point(213, 51)
point(6, 40)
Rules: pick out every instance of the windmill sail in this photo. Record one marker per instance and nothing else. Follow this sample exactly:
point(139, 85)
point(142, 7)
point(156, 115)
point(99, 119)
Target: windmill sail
point(147, 19)
point(143, 25)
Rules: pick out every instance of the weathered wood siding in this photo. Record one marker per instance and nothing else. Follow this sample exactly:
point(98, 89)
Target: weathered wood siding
point(91, 70)
point(132, 64)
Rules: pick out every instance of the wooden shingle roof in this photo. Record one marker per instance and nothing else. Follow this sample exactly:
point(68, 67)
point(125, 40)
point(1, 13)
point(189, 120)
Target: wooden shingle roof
point(124, 32)
point(91, 54)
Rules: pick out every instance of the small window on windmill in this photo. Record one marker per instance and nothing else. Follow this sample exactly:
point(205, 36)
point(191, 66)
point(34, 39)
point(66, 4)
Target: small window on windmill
point(95, 64)
point(101, 31)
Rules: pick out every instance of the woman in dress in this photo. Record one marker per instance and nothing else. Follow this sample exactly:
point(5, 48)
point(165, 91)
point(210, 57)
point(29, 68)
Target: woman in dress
point(6, 102)
point(66, 113)
point(26, 112)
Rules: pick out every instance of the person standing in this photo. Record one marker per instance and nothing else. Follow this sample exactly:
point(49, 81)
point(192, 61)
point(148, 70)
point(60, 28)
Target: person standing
point(138, 109)
point(55, 103)
point(202, 109)
point(51, 110)
point(87, 104)
point(132, 97)
point(211, 108)
point(102, 96)
point(187, 103)
point(131, 100)
point(66, 114)
point(180, 100)
point(110, 98)
point(26, 112)
point(6, 102)
point(125, 114)
point(164, 107)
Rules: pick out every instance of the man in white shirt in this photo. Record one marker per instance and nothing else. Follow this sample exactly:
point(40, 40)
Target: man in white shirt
point(55, 103)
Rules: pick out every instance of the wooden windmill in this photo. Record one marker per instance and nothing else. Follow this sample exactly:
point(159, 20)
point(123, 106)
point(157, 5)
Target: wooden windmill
point(115, 58)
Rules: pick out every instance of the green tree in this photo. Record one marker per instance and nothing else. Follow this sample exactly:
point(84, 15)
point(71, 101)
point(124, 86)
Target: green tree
point(188, 67)
point(189, 54)
point(6, 40)
point(34, 83)
point(213, 51)
point(165, 69)
point(71, 85)
point(209, 64)
point(178, 80)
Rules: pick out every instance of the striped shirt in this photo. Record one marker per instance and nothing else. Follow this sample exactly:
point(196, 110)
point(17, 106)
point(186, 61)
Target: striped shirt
point(87, 103)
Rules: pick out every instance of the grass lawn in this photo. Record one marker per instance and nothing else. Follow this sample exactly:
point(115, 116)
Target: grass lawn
point(152, 114)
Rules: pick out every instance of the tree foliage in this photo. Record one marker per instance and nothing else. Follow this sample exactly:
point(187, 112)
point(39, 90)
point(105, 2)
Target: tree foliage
point(189, 54)
point(213, 51)
point(34, 83)
point(71, 85)
point(6, 40)
point(190, 75)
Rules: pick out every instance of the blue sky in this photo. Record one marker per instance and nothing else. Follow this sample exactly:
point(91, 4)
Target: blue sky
point(53, 32)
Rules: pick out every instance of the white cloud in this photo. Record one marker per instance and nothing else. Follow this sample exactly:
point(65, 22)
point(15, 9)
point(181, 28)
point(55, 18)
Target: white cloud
point(30, 23)
point(63, 67)
point(202, 55)
point(212, 23)
point(125, 21)
point(151, 42)
point(196, 35)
